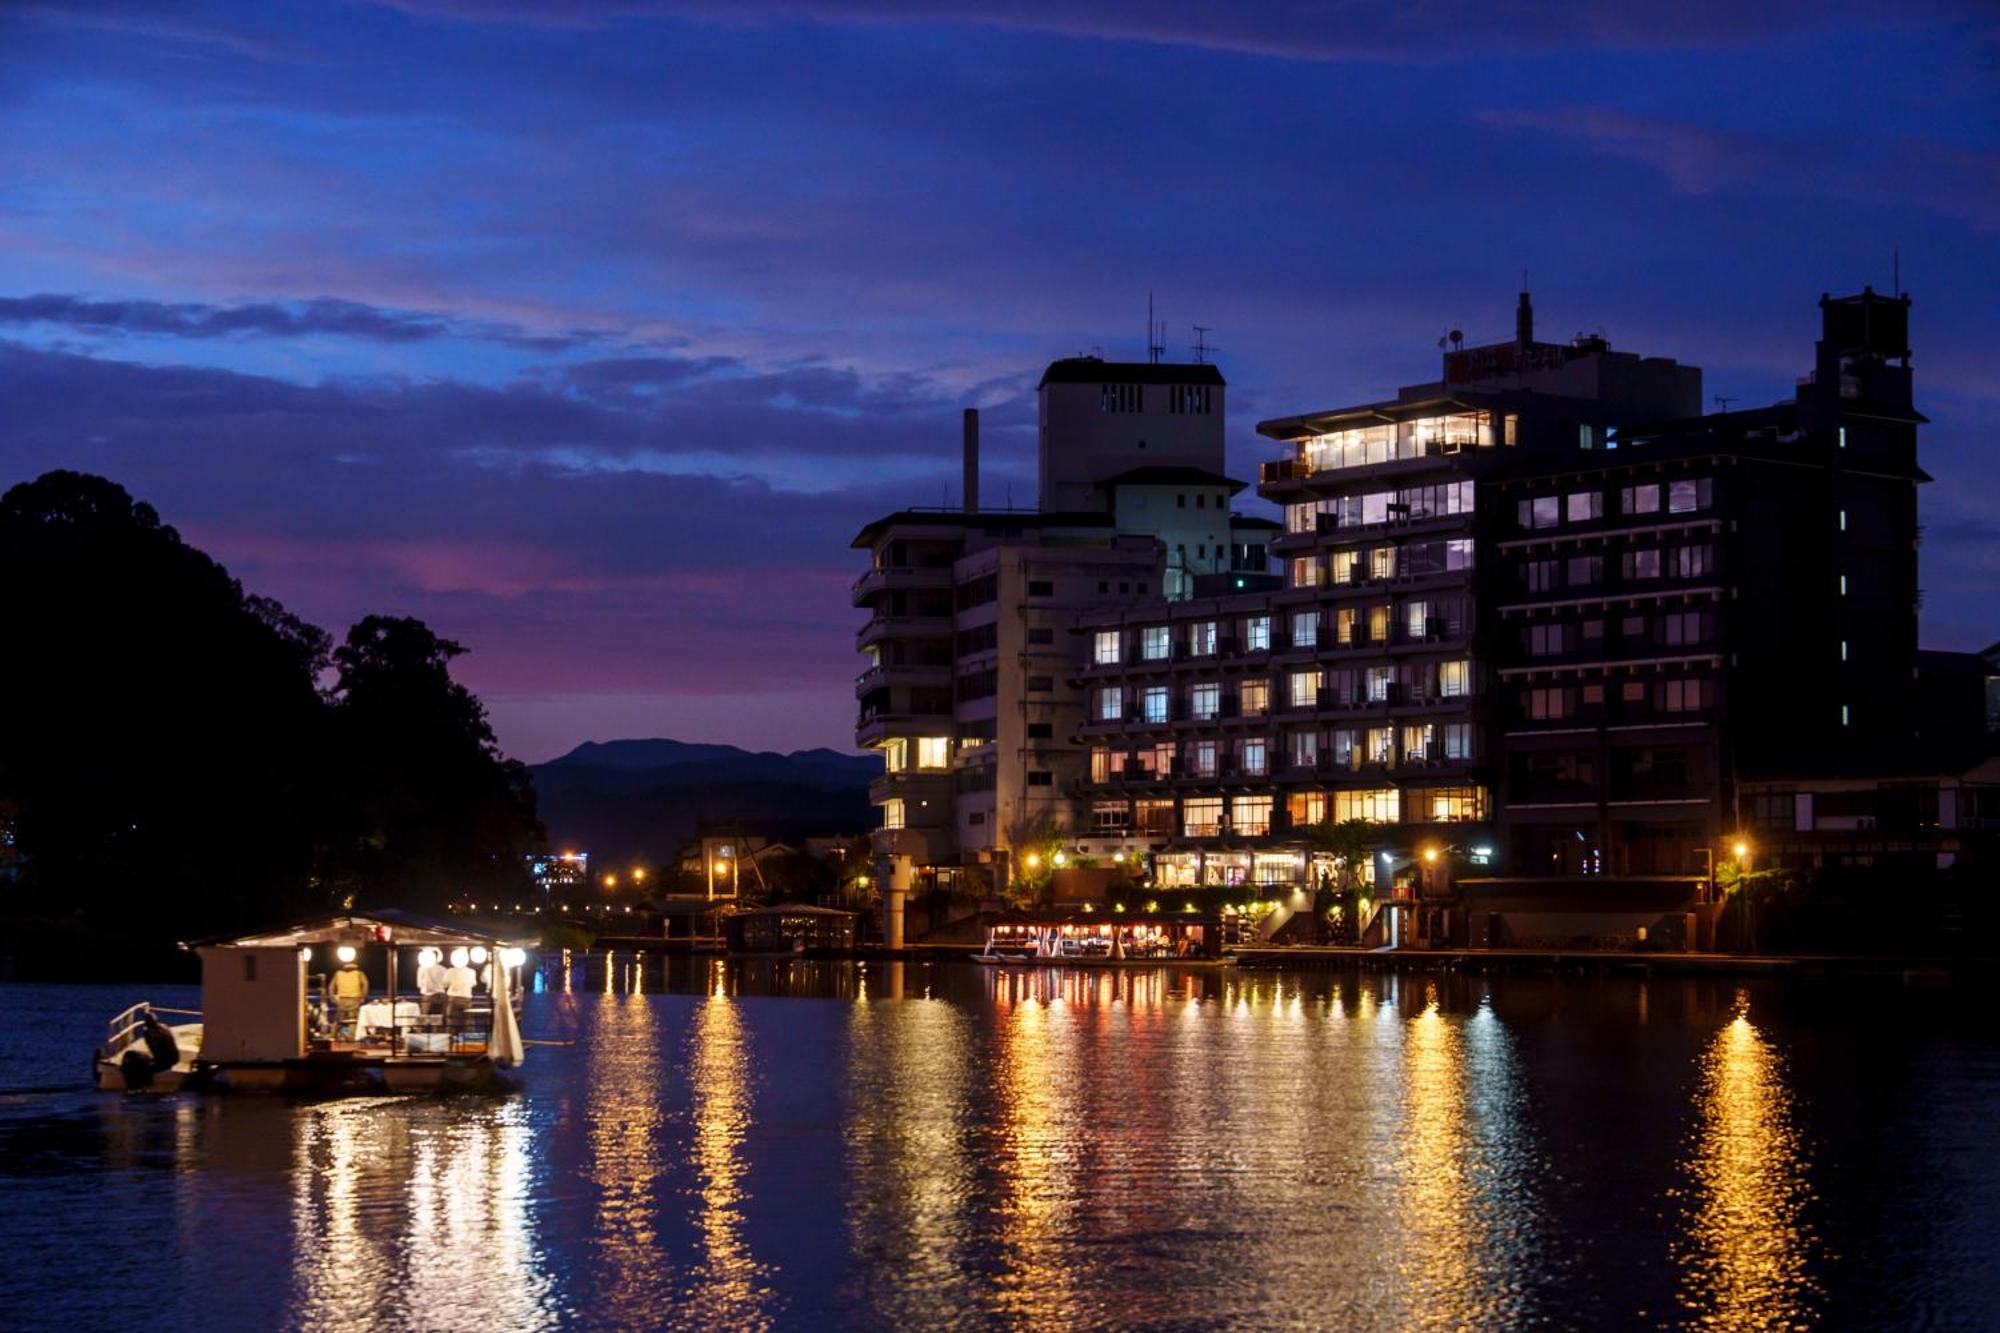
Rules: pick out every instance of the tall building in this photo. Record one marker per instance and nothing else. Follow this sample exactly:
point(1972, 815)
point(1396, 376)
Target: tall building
point(970, 691)
point(1538, 618)
point(1540, 622)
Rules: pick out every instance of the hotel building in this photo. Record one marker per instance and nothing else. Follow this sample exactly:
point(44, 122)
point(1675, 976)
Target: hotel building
point(1539, 620)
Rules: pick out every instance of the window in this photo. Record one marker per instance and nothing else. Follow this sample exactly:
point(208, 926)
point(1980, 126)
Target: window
point(1639, 499)
point(1379, 681)
point(1039, 778)
point(1382, 805)
point(1041, 588)
point(1679, 628)
point(1306, 808)
point(1110, 705)
point(1593, 695)
point(1543, 511)
point(895, 755)
point(1201, 638)
point(893, 813)
point(1381, 562)
point(1509, 429)
point(1582, 506)
point(1592, 631)
point(1110, 815)
point(1201, 500)
point(1689, 562)
point(1381, 745)
point(1683, 696)
point(1305, 571)
point(1250, 816)
point(933, 752)
point(1347, 749)
point(1204, 701)
point(1118, 398)
point(1041, 731)
point(1202, 758)
point(1641, 564)
point(1106, 647)
point(1632, 691)
point(1454, 679)
point(1304, 690)
point(1101, 764)
point(1201, 816)
point(1545, 704)
point(1155, 643)
point(1346, 621)
point(1153, 703)
point(1302, 749)
point(1041, 635)
point(1585, 570)
point(1545, 640)
point(1041, 684)
point(1155, 817)
point(1257, 634)
point(1253, 756)
point(1378, 624)
point(1305, 629)
point(1253, 697)
point(1456, 738)
point(1450, 805)
point(1418, 739)
point(1684, 497)
point(1539, 575)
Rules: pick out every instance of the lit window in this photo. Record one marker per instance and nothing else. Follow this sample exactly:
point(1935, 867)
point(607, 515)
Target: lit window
point(1305, 629)
point(1202, 758)
point(1304, 689)
point(1582, 506)
point(1153, 702)
point(1382, 805)
point(1303, 747)
point(1201, 817)
point(1253, 697)
point(1640, 499)
point(1250, 816)
point(1205, 701)
point(1110, 704)
point(934, 752)
point(1254, 756)
point(1454, 679)
point(1306, 808)
point(1257, 634)
point(1105, 647)
point(892, 813)
point(1155, 643)
point(1305, 572)
point(1201, 638)
point(895, 755)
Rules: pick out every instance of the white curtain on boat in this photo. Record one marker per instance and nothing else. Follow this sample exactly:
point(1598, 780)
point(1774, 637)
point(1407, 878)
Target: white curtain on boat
point(504, 1047)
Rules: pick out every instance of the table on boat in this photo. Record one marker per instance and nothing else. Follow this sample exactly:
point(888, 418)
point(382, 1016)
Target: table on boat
point(375, 1014)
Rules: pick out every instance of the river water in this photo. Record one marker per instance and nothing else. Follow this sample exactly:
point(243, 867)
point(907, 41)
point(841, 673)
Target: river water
point(814, 1145)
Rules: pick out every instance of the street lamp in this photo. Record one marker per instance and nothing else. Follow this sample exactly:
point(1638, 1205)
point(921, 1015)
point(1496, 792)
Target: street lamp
point(611, 881)
point(638, 875)
point(1034, 860)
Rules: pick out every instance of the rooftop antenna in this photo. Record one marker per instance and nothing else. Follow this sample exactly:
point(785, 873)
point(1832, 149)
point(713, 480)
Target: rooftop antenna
point(1202, 346)
point(1154, 347)
point(1722, 402)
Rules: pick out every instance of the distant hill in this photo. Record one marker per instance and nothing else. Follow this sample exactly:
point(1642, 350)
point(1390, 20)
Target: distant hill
point(638, 800)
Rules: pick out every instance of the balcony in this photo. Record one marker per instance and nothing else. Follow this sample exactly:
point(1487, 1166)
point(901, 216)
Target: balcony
point(880, 627)
point(915, 785)
point(897, 673)
point(873, 726)
point(887, 578)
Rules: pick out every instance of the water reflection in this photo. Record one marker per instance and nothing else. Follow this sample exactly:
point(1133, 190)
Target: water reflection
point(728, 1288)
point(1744, 1255)
point(624, 1105)
point(414, 1221)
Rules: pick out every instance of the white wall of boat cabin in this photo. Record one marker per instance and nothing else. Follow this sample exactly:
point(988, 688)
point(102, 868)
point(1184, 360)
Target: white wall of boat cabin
point(253, 1003)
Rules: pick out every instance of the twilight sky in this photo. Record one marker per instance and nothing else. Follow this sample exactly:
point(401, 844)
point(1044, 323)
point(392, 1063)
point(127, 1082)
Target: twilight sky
point(590, 331)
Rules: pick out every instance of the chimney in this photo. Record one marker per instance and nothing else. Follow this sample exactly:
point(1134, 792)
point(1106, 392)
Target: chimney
point(1524, 322)
point(971, 460)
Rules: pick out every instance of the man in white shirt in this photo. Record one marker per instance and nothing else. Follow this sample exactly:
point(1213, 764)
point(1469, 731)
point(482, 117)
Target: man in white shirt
point(458, 984)
point(430, 983)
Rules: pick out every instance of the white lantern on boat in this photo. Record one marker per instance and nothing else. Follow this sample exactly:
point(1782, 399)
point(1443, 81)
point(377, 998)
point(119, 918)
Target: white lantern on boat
point(478, 954)
point(458, 957)
point(345, 953)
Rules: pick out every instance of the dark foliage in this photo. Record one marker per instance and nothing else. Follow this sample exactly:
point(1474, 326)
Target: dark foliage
point(169, 761)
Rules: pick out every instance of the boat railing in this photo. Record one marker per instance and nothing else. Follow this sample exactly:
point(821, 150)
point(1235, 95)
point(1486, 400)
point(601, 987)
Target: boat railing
point(123, 1032)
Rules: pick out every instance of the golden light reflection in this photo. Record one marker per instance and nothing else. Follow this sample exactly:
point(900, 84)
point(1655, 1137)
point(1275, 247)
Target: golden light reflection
point(1034, 1082)
point(413, 1215)
point(910, 1076)
point(728, 1288)
point(623, 1113)
point(1745, 1261)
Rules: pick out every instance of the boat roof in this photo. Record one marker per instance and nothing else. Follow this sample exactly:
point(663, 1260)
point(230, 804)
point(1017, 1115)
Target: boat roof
point(403, 927)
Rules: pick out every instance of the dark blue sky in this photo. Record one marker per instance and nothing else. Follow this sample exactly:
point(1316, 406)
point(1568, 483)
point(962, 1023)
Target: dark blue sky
point(590, 332)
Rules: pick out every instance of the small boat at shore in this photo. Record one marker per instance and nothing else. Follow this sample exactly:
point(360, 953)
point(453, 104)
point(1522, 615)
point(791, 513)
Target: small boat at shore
point(270, 1022)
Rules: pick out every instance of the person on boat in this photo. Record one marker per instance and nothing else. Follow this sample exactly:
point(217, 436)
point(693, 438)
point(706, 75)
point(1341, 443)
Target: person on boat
point(458, 983)
point(160, 1043)
point(430, 983)
point(350, 988)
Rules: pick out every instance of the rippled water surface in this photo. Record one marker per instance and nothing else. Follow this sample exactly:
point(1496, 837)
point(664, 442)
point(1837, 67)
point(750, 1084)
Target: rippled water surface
point(813, 1145)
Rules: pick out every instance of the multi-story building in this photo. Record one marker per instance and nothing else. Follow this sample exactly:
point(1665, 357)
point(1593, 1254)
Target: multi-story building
point(970, 692)
point(1538, 618)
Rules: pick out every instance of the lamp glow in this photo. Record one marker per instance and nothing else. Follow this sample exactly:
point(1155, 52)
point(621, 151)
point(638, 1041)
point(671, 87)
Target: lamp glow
point(345, 953)
point(478, 954)
point(306, 954)
point(1742, 849)
point(458, 957)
